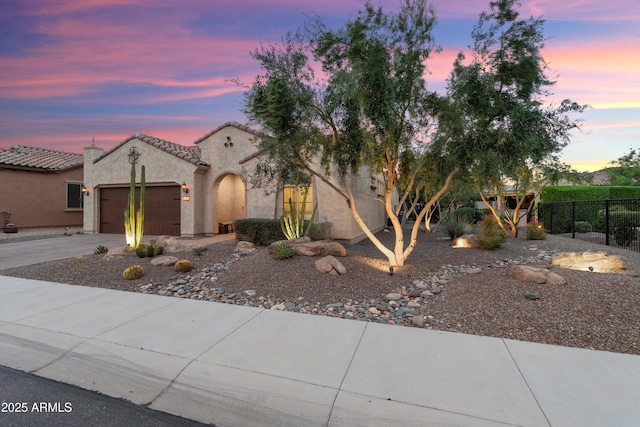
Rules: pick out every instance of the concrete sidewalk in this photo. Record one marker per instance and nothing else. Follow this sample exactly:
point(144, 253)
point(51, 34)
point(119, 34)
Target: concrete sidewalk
point(241, 366)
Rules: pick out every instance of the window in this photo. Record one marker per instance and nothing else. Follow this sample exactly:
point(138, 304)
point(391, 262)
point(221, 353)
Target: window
point(74, 195)
point(298, 197)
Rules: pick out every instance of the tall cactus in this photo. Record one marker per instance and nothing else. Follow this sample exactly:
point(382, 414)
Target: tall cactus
point(134, 221)
point(293, 225)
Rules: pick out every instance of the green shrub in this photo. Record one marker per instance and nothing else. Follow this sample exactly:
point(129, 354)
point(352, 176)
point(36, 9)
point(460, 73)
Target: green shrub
point(455, 224)
point(321, 230)
point(141, 251)
point(491, 236)
point(259, 231)
point(535, 231)
point(150, 250)
point(101, 250)
point(133, 273)
point(158, 251)
point(182, 266)
point(283, 250)
point(472, 215)
point(623, 224)
point(198, 250)
point(583, 227)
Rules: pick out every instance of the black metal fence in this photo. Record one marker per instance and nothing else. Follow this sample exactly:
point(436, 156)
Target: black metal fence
point(609, 222)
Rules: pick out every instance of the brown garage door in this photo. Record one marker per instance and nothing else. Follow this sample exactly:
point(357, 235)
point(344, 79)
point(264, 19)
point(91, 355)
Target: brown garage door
point(161, 210)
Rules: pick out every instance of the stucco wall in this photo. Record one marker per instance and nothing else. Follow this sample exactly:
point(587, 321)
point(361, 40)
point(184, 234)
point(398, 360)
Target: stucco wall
point(37, 199)
point(114, 170)
point(227, 152)
point(333, 208)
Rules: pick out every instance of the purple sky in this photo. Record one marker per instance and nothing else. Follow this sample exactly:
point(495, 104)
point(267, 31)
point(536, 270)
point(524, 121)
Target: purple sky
point(73, 70)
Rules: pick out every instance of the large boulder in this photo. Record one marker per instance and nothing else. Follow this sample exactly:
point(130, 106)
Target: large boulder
point(330, 265)
point(173, 244)
point(304, 246)
point(116, 253)
point(527, 273)
point(164, 260)
point(599, 262)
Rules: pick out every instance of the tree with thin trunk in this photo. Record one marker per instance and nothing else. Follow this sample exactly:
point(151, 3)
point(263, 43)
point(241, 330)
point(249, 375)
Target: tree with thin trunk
point(337, 101)
point(508, 128)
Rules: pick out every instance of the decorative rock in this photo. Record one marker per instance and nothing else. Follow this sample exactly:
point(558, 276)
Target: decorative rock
point(418, 321)
point(305, 247)
point(426, 294)
point(116, 253)
point(279, 307)
point(461, 242)
point(244, 247)
point(599, 262)
point(536, 275)
point(330, 265)
point(474, 271)
point(164, 260)
point(172, 244)
point(250, 293)
point(393, 296)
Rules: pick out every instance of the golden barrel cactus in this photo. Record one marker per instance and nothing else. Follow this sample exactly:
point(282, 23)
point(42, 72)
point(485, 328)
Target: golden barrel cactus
point(133, 273)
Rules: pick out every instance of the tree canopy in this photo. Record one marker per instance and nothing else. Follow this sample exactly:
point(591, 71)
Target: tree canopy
point(507, 129)
point(354, 97)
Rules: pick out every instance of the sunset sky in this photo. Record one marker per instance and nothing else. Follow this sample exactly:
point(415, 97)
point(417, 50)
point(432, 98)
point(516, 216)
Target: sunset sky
point(75, 70)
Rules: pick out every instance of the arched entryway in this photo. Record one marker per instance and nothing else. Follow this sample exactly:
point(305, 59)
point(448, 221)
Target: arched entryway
point(229, 202)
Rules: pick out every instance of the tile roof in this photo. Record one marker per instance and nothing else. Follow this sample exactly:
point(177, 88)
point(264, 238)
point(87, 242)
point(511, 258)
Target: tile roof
point(23, 157)
point(190, 154)
point(232, 124)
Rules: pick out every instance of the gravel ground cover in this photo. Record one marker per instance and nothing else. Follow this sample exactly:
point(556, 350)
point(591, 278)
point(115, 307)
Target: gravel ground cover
point(443, 288)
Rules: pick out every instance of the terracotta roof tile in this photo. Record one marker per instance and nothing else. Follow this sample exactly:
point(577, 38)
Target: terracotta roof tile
point(232, 124)
point(39, 158)
point(190, 154)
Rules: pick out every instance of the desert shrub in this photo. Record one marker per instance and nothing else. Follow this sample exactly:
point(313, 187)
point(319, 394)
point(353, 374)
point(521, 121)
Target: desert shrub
point(133, 273)
point(583, 227)
point(472, 215)
point(283, 250)
point(535, 231)
point(182, 266)
point(158, 250)
point(197, 251)
point(623, 225)
point(150, 250)
point(455, 224)
point(101, 250)
point(491, 236)
point(259, 231)
point(321, 230)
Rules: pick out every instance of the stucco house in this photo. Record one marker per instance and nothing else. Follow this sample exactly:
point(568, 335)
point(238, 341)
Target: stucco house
point(41, 187)
point(200, 190)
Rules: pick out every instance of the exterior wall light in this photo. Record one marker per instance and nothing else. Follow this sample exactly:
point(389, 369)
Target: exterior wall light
point(185, 189)
point(133, 155)
point(84, 190)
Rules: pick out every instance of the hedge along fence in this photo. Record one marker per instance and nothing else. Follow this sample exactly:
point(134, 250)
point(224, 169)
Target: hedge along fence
point(617, 221)
point(569, 193)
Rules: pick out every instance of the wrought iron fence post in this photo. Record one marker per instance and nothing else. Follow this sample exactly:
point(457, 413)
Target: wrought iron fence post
point(573, 219)
point(606, 222)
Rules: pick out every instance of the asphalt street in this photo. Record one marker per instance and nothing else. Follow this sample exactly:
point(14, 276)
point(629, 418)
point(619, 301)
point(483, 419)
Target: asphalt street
point(28, 400)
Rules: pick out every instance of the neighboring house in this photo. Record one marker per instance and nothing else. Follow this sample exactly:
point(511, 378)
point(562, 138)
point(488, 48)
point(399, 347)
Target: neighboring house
point(41, 187)
point(201, 189)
